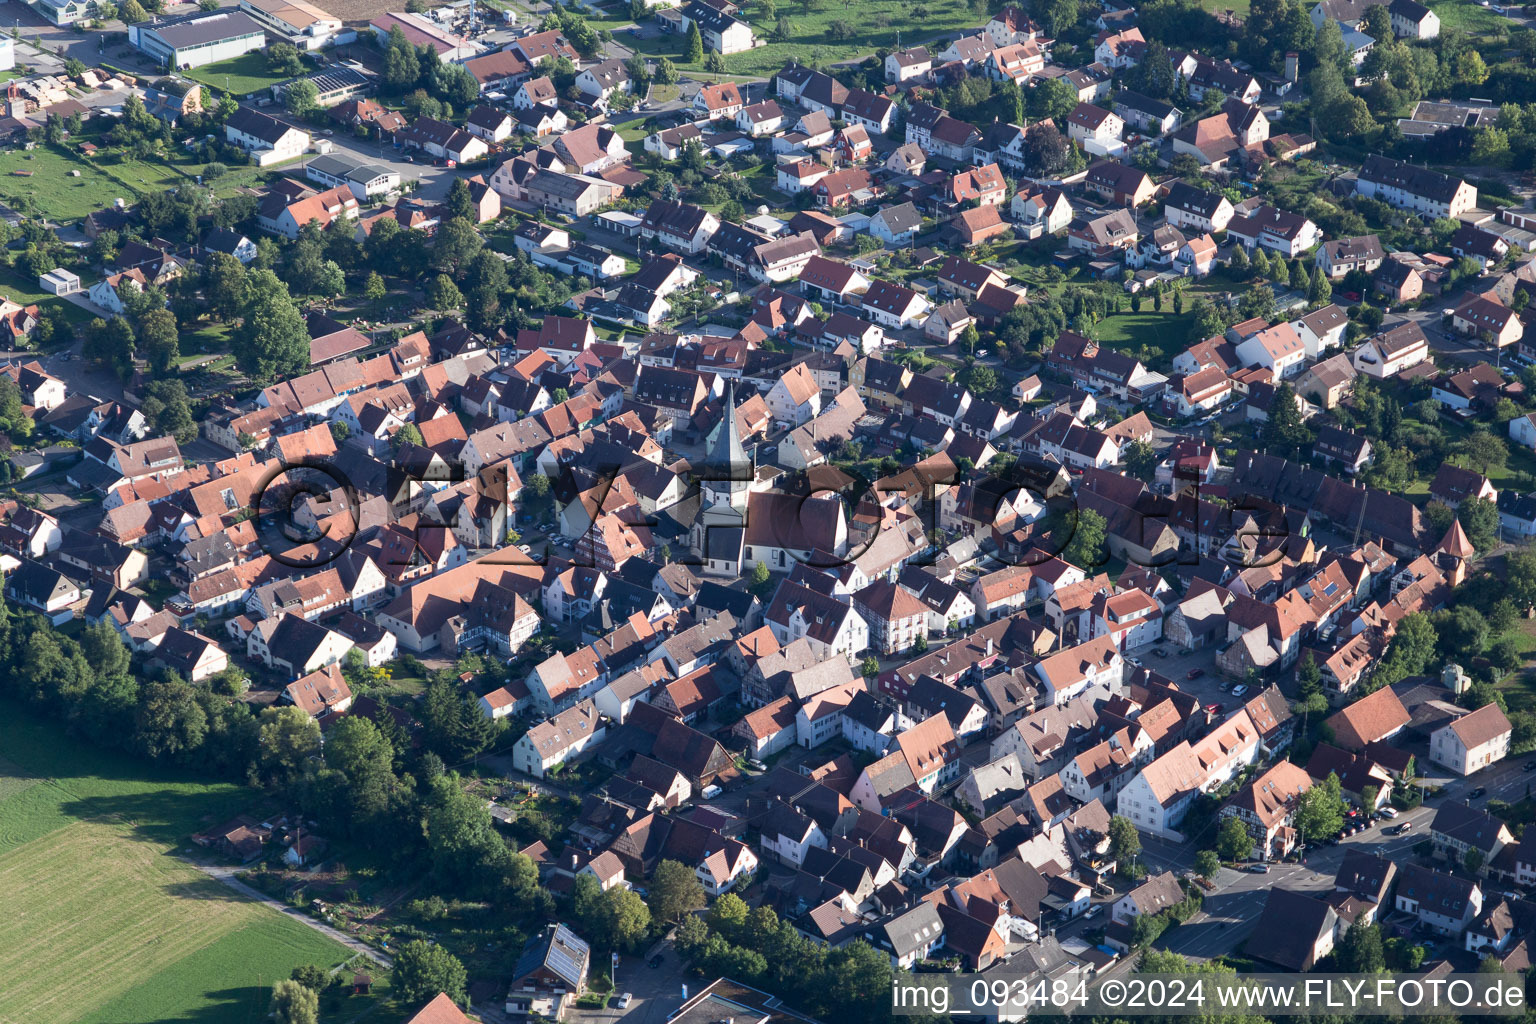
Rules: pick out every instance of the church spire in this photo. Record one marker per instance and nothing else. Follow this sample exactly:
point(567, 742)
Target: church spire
point(726, 452)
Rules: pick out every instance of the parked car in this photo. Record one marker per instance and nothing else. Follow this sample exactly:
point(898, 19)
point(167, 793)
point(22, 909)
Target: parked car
point(1194, 673)
point(624, 999)
point(1530, 766)
point(1094, 911)
point(1389, 812)
point(1479, 791)
point(656, 960)
point(1239, 689)
point(1258, 869)
point(1213, 709)
point(757, 765)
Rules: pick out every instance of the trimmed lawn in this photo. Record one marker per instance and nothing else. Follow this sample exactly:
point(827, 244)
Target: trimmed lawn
point(811, 37)
point(1168, 333)
point(240, 75)
point(103, 922)
point(1467, 16)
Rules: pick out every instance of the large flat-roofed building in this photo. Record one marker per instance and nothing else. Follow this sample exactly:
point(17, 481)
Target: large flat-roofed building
point(199, 39)
point(302, 24)
point(366, 180)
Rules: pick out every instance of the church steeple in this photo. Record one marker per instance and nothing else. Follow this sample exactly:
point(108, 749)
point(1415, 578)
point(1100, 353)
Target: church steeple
point(726, 452)
point(727, 472)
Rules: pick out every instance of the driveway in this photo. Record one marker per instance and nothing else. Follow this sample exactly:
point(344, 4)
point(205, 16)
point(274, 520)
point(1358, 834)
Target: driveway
point(655, 992)
point(226, 875)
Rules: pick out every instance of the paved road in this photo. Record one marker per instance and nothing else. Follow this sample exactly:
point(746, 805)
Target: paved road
point(227, 876)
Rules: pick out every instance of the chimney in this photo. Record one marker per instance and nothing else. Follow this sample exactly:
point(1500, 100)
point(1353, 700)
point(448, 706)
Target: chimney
point(1292, 66)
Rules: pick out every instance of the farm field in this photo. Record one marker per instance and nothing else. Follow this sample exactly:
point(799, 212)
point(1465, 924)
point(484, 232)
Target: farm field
point(811, 34)
point(104, 924)
point(240, 75)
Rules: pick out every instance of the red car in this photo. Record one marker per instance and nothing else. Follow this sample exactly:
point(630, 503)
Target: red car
point(1213, 709)
point(1195, 673)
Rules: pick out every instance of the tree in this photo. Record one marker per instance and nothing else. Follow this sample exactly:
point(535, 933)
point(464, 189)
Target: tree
point(675, 891)
point(456, 244)
point(1319, 288)
point(132, 12)
point(1140, 460)
point(1046, 150)
point(1320, 811)
point(168, 408)
point(693, 46)
point(301, 97)
point(1480, 518)
point(288, 742)
point(159, 339)
point(1284, 433)
point(1309, 678)
point(423, 969)
point(1233, 841)
point(1483, 450)
point(401, 66)
point(443, 294)
point(1086, 548)
point(294, 1003)
point(272, 341)
point(1361, 951)
point(1207, 864)
point(626, 918)
point(761, 578)
point(283, 59)
point(1124, 840)
point(224, 285)
point(1052, 98)
point(1473, 860)
point(981, 380)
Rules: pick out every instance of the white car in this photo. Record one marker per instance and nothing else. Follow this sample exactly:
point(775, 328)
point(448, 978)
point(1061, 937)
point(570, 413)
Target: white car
point(1239, 689)
point(1389, 812)
point(624, 1001)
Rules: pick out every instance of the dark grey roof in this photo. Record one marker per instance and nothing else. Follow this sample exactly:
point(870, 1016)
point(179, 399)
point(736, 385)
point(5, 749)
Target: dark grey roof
point(199, 29)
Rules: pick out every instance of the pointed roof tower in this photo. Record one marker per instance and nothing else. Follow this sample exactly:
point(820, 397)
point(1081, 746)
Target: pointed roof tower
point(1456, 542)
point(726, 454)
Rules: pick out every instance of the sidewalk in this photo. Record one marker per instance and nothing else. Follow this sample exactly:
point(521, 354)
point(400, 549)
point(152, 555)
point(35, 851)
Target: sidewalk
point(227, 876)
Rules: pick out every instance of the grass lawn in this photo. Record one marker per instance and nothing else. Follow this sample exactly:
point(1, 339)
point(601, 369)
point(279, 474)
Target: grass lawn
point(1237, 7)
point(1166, 332)
point(42, 178)
point(810, 35)
point(240, 75)
point(103, 924)
point(1466, 16)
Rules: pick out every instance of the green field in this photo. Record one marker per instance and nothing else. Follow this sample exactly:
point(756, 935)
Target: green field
point(1237, 7)
point(811, 37)
point(1467, 16)
point(103, 923)
point(54, 193)
point(240, 75)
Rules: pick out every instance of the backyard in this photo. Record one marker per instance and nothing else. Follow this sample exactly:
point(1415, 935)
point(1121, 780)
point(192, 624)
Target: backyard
point(104, 923)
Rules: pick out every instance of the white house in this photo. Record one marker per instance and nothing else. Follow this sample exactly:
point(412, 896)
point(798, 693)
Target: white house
point(1472, 742)
point(267, 139)
point(558, 739)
